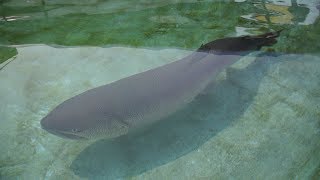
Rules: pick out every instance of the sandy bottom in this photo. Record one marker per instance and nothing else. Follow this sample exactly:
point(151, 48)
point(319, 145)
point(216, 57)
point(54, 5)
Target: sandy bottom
point(261, 119)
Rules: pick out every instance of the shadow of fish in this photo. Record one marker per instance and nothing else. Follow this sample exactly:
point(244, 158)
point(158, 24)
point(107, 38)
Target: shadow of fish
point(180, 133)
point(117, 108)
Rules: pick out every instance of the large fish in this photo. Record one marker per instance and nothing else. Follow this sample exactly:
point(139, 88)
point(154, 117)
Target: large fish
point(115, 109)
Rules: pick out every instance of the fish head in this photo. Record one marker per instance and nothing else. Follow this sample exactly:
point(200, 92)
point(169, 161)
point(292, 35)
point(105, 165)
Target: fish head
point(240, 45)
point(73, 121)
point(63, 124)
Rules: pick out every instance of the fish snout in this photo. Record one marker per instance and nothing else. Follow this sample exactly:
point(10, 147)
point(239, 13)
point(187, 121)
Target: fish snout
point(45, 123)
point(48, 124)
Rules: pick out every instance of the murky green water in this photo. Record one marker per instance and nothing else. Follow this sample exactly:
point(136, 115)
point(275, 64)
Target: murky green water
point(260, 121)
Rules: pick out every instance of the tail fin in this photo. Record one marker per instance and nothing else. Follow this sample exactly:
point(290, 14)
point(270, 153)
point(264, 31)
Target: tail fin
point(266, 39)
point(241, 44)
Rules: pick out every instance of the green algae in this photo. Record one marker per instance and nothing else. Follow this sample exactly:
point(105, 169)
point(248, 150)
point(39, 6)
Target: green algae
point(182, 25)
point(300, 39)
point(6, 53)
point(185, 21)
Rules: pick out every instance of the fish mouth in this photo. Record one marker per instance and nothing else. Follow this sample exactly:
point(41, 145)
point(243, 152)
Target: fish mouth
point(62, 134)
point(65, 134)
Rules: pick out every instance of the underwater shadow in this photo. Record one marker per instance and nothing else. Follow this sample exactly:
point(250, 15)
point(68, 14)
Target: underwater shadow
point(177, 135)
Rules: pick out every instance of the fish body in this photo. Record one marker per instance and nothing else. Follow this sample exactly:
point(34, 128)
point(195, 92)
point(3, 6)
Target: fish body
point(117, 108)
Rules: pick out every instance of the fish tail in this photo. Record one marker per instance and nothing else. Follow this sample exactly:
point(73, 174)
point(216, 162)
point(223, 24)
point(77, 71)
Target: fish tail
point(241, 44)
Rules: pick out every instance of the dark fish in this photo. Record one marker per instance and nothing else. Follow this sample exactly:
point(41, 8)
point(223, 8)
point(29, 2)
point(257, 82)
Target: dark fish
point(115, 109)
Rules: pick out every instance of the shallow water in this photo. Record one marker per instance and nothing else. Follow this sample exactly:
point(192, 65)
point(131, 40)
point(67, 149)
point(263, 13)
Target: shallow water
point(261, 120)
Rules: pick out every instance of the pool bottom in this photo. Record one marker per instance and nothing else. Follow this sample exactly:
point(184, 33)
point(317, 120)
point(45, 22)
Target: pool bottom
point(270, 106)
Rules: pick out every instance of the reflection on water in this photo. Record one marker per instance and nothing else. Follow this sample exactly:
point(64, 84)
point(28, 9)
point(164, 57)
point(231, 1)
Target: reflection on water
point(287, 12)
point(13, 18)
point(157, 24)
point(283, 12)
